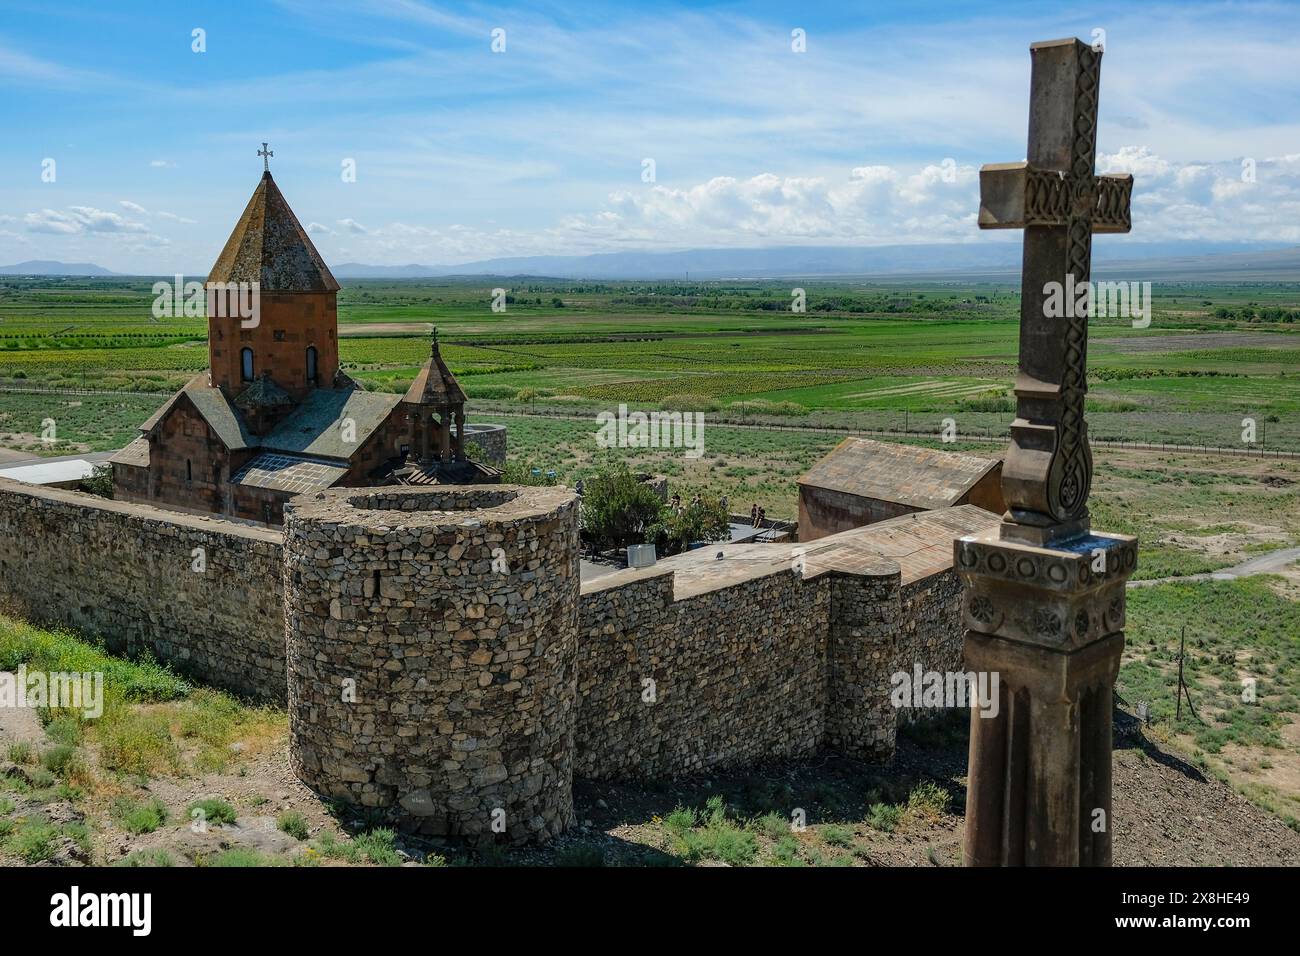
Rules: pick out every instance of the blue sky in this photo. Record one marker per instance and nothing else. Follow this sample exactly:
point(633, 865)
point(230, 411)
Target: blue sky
point(873, 135)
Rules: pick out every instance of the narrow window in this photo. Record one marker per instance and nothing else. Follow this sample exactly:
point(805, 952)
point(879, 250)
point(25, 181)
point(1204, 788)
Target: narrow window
point(189, 470)
point(246, 364)
point(311, 363)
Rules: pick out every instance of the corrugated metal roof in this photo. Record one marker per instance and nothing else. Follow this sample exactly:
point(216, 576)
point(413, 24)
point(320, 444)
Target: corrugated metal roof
point(317, 426)
point(50, 472)
point(906, 474)
point(269, 246)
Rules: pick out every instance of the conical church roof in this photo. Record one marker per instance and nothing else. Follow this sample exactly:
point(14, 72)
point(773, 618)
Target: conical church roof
point(435, 385)
point(269, 246)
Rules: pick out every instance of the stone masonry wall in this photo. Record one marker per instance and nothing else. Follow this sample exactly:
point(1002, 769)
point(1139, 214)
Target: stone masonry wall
point(738, 675)
point(931, 634)
point(862, 653)
point(431, 646)
point(490, 438)
point(126, 572)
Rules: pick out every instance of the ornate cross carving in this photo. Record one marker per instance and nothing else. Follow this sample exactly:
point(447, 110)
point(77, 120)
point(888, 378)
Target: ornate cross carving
point(1059, 202)
point(266, 155)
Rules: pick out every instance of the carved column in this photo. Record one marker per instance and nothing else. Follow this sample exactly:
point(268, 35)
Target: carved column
point(1049, 621)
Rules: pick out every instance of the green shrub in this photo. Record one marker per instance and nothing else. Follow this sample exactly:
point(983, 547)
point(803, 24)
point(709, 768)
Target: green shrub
point(885, 817)
point(140, 817)
point(837, 835)
point(65, 729)
point(22, 752)
point(212, 810)
point(34, 841)
point(240, 857)
point(927, 802)
point(293, 823)
point(774, 825)
point(377, 847)
point(146, 858)
point(59, 758)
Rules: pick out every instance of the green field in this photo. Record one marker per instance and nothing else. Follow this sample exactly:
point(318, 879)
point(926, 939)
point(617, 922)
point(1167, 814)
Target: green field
point(863, 355)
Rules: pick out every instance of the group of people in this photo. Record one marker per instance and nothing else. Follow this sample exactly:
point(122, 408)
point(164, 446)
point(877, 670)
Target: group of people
point(757, 516)
point(676, 503)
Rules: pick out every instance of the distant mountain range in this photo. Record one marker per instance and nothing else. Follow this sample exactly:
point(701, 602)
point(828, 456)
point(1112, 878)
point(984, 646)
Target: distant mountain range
point(992, 259)
point(49, 267)
point(1113, 256)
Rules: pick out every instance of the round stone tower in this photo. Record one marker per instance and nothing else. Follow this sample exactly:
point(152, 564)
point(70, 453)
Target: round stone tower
point(432, 642)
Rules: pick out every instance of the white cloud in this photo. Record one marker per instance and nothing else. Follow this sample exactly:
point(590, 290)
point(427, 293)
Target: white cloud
point(133, 207)
point(316, 228)
point(175, 218)
point(352, 226)
point(48, 220)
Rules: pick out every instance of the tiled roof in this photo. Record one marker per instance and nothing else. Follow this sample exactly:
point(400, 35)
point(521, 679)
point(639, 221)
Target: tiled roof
point(313, 428)
point(216, 410)
point(316, 426)
point(905, 474)
point(269, 246)
point(136, 454)
point(435, 385)
point(285, 473)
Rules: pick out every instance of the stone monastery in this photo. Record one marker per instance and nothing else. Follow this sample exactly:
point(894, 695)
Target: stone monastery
point(274, 415)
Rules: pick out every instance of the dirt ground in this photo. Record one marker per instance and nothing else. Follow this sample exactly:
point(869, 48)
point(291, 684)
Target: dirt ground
point(1165, 812)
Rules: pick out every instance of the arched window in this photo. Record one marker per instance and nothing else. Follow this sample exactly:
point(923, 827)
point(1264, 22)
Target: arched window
point(311, 363)
point(246, 364)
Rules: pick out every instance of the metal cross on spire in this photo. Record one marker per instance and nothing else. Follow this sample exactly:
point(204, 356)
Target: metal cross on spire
point(1059, 203)
point(266, 155)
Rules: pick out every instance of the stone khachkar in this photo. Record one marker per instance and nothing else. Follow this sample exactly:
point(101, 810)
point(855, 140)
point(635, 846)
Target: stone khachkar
point(1044, 601)
point(432, 638)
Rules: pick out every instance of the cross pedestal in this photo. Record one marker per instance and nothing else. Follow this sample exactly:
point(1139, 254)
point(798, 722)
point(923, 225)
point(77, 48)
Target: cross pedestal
point(1044, 598)
point(1049, 621)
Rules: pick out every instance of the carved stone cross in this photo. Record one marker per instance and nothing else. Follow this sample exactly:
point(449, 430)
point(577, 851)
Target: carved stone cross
point(1059, 203)
point(266, 155)
point(1044, 594)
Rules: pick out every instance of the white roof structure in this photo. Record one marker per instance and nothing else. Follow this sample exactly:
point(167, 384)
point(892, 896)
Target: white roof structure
point(50, 472)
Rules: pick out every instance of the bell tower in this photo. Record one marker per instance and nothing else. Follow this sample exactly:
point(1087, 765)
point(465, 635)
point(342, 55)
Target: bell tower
point(272, 312)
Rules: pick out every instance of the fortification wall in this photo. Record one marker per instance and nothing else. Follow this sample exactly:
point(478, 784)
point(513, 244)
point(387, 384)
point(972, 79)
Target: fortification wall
point(490, 438)
point(432, 637)
point(738, 675)
point(127, 572)
point(931, 632)
point(481, 678)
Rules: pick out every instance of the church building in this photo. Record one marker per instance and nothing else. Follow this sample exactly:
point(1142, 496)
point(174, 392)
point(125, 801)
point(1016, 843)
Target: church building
point(274, 415)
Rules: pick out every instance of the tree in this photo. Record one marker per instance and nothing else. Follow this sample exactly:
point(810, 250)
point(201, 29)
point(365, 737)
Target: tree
point(100, 481)
point(528, 395)
point(702, 520)
point(617, 509)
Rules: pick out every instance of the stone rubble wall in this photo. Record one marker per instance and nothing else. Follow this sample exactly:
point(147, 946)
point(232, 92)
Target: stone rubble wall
point(862, 653)
point(432, 644)
point(738, 676)
point(478, 690)
point(125, 572)
point(931, 633)
point(490, 438)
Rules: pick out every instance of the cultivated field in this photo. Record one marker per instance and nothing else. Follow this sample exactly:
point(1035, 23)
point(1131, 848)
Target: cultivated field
point(865, 355)
point(777, 389)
